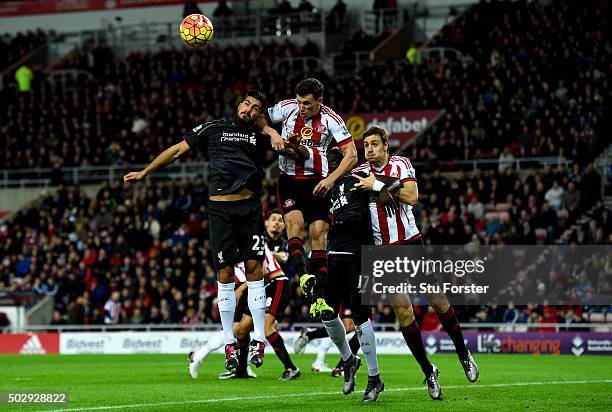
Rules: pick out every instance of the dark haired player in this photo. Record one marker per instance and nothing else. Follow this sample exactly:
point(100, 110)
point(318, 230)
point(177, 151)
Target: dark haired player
point(351, 228)
point(395, 175)
point(275, 228)
point(304, 184)
point(236, 148)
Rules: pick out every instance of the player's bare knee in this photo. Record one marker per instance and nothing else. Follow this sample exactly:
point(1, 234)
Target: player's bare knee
point(439, 302)
point(243, 328)
point(294, 223)
point(226, 275)
point(318, 234)
point(270, 325)
point(254, 270)
point(405, 314)
point(349, 325)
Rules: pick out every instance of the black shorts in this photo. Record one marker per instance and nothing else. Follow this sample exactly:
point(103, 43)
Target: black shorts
point(277, 297)
point(236, 232)
point(296, 194)
point(342, 287)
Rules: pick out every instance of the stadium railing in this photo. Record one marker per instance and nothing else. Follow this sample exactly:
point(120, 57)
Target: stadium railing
point(301, 63)
point(499, 327)
point(518, 163)
point(256, 26)
point(343, 62)
point(45, 177)
point(375, 21)
point(442, 53)
point(41, 177)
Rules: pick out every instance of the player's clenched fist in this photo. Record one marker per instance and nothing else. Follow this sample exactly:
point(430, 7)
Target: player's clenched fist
point(134, 176)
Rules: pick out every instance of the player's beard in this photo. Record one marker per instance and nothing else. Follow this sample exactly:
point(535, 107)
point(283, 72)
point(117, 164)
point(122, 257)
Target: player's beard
point(246, 119)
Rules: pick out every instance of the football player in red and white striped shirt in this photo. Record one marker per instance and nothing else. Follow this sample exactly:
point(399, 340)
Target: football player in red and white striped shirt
point(400, 180)
point(304, 184)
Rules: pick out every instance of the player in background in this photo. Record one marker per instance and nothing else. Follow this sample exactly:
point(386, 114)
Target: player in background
point(277, 243)
point(350, 229)
point(395, 175)
point(277, 291)
point(304, 184)
point(236, 148)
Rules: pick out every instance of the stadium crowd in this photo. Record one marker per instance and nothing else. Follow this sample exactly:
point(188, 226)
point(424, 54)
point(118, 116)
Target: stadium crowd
point(14, 47)
point(506, 98)
point(142, 252)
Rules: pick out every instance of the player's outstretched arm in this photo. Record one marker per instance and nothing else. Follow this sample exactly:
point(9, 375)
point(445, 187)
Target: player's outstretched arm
point(276, 141)
point(167, 156)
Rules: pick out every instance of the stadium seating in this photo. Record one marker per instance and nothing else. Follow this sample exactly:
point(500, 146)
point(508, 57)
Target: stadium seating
point(519, 86)
point(504, 104)
point(15, 47)
point(150, 241)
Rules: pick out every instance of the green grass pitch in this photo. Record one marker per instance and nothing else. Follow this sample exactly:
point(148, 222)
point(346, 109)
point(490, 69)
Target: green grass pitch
point(162, 383)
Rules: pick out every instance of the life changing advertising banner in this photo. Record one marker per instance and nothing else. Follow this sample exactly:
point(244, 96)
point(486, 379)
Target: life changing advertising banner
point(574, 343)
point(556, 343)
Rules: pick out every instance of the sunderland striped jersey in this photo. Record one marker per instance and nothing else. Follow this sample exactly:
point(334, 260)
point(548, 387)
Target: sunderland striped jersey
point(317, 133)
point(402, 226)
point(271, 268)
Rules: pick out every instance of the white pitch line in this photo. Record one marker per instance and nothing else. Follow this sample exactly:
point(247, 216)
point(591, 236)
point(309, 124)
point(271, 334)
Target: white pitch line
point(294, 395)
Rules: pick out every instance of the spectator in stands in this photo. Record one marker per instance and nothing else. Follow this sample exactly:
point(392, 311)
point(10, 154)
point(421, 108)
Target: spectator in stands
point(222, 10)
point(57, 318)
point(112, 309)
point(570, 201)
point(24, 77)
point(4, 320)
point(554, 195)
point(306, 6)
point(284, 8)
point(511, 314)
point(476, 208)
point(335, 18)
point(505, 159)
point(191, 7)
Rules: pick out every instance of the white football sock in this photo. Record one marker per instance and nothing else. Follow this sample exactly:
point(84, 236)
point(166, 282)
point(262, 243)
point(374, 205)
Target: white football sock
point(337, 333)
point(215, 342)
point(326, 343)
point(368, 346)
point(226, 300)
point(257, 306)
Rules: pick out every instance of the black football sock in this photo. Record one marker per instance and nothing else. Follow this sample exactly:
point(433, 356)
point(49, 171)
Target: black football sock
point(277, 342)
point(297, 255)
point(317, 333)
point(451, 325)
point(412, 336)
point(318, 267)
point(243, 357)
